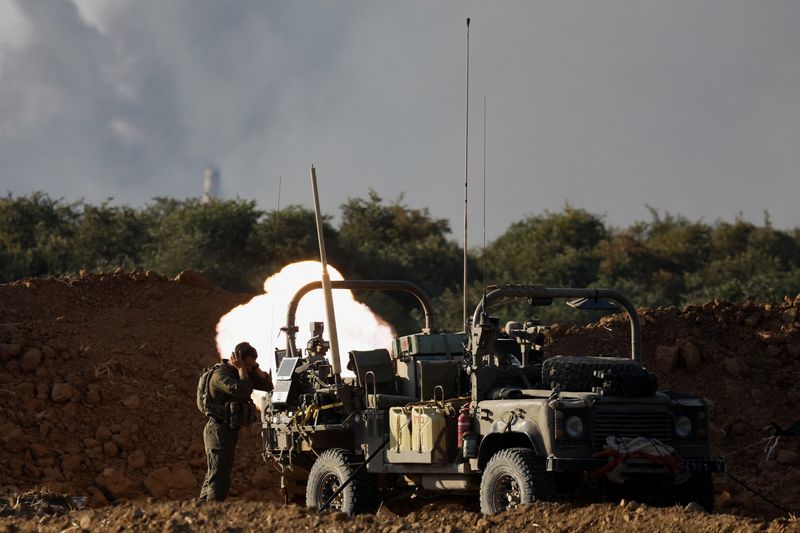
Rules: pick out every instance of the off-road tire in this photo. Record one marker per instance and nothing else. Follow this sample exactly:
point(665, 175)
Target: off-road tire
point(521, 468)
point(699, 488)
point(576, 373)
point(328, 472)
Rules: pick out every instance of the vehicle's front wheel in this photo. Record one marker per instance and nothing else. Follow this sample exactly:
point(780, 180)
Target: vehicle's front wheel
point(514, 476)
point(331, 469)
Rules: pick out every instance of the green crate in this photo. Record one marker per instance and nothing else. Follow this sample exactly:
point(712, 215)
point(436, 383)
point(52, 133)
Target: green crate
point(432, 344)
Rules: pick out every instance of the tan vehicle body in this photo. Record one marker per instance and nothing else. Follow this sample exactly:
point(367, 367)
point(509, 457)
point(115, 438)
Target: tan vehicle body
point(487, 415)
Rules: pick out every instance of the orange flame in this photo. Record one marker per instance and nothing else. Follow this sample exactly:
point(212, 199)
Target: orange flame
point(259, 320)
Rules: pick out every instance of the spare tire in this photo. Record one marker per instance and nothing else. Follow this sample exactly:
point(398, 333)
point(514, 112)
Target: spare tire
point(575, 373)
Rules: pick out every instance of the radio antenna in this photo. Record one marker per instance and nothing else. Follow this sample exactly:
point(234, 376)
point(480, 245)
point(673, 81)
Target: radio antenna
point(466, 179)
point(484, 196)
point(277, 219)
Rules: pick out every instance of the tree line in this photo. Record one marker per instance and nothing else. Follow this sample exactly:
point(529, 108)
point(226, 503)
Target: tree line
point(667, 260)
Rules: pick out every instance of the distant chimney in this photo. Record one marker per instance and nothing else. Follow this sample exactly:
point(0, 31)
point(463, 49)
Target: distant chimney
point(210, 184)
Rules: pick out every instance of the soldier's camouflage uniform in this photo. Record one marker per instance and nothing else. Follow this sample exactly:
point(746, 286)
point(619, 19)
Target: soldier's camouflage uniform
point(219, 438)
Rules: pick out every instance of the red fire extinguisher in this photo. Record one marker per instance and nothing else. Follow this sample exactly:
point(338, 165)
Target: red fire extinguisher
point(464, 423)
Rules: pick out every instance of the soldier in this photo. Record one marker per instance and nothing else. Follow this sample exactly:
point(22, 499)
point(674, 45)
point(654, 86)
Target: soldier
point(228, 408)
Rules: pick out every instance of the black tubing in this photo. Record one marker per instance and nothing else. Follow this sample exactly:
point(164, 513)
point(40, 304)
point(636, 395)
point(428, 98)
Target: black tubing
point(353, 475)
point(355, 285)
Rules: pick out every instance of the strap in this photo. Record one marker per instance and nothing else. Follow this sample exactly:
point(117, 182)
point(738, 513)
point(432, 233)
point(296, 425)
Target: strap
point(207, 383)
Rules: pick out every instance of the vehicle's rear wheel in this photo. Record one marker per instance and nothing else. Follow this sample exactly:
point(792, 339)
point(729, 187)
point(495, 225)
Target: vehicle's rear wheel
point(699, 488)
point(331, 469)
point(512, 477)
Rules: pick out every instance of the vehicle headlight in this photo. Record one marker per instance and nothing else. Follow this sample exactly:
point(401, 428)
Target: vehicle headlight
point(574, 426)
point(683, 426)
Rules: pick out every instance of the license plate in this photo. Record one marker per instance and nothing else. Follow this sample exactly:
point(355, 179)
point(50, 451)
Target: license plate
point(702, 466)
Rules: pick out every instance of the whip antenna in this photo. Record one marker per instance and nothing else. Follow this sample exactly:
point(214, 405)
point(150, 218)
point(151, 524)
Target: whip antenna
point(277, 219)
point(484, 196)
point(466, 180)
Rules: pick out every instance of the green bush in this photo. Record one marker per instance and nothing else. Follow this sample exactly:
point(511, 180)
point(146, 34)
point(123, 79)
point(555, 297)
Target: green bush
point(667, 260)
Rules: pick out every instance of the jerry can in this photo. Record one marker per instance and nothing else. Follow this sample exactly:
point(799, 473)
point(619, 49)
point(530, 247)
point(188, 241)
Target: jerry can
point(399, 429)
point(428, 427)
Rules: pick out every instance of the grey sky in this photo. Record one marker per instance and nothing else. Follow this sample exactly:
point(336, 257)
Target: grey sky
point(688, 106)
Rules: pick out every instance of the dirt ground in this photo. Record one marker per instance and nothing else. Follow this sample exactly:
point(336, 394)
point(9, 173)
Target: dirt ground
point(241, 516)
point(97, 385)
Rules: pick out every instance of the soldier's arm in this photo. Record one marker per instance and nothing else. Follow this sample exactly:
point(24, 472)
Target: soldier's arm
point(241, 389)
point(261, 380)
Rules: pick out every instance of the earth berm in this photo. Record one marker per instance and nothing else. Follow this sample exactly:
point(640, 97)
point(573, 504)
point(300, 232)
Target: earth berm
point(98, 375)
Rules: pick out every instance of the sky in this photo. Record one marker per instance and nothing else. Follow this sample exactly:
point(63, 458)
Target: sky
point(690, 107)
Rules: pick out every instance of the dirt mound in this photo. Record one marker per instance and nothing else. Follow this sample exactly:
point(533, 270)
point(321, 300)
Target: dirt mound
point(98, 376)
point(746, 359)
point(245, 516)
point(97, 380)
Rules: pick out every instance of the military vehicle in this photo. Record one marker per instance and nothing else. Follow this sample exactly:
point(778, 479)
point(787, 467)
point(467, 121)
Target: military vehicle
point(483, 412)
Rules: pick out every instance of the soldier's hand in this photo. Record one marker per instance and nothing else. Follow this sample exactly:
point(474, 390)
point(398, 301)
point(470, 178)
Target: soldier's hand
point(236, 362)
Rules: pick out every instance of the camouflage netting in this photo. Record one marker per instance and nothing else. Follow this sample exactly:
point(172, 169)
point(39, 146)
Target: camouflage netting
point(37, 503)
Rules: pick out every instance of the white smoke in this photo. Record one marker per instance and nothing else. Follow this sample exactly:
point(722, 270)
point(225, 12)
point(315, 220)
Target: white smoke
point(259, 321)
point(133, 98)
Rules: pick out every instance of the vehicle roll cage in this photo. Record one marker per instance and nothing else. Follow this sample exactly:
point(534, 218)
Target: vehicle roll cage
point(544, 293)
point(492, 298)
point(354, 285)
